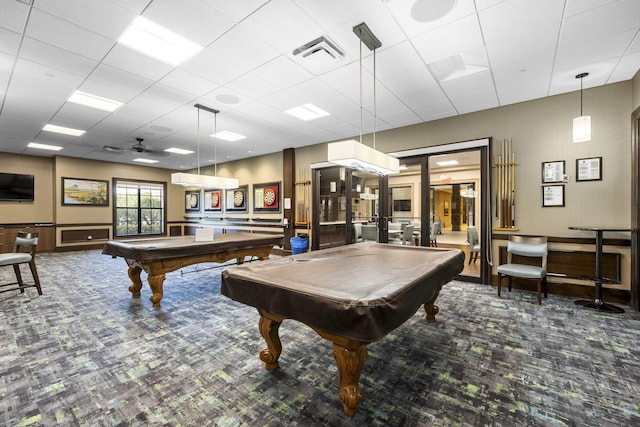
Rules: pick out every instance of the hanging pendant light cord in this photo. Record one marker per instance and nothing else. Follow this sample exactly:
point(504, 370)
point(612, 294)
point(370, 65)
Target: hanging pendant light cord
point(360, 87)
point(215, 144)
point(581, 96)
point(375, 114)
point(198, 140)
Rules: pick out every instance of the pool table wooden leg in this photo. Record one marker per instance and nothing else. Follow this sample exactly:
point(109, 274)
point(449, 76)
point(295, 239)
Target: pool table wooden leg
point(269, 325)
point(431, 308)
point(350, 361)
point(136, 283)
point(155, 283)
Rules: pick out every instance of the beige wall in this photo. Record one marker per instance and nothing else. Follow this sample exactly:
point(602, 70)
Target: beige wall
point(41, 209)
point(255, 170)
point(91, 169)
point(636, 91)
point(541, 130)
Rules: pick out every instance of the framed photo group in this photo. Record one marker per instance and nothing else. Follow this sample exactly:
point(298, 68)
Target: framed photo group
point(554, 175)
point(266, 198)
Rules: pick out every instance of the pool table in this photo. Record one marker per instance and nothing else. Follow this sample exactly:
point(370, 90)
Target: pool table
point(350, 295)
point(158, 256)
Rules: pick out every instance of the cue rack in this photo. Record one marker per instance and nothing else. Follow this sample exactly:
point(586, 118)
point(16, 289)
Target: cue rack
point(505, 178)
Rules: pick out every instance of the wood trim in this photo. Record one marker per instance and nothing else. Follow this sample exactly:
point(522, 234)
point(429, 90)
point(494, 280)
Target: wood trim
point(573, 240)
point(572, 264)
point(289, 192)
point(635, 210)
point(83, 235)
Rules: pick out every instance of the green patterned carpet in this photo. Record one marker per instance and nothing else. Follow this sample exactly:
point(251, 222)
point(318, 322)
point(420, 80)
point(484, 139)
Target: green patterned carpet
point(86, 353)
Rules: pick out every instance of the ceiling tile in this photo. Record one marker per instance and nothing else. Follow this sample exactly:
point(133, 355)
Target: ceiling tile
point(106, 18)
point(458, 37)
point(65, 35)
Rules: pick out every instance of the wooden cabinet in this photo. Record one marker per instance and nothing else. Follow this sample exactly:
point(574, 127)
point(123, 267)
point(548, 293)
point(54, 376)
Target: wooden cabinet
point(46, 236)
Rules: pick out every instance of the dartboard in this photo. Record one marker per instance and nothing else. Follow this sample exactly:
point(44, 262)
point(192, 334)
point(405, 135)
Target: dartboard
point(269, 197)
point(215, 200)
point(238, 198)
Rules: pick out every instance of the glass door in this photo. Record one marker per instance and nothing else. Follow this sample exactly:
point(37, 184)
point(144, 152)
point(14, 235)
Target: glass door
point(453, 210)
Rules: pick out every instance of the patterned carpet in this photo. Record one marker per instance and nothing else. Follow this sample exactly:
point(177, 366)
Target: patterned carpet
point(86, 353)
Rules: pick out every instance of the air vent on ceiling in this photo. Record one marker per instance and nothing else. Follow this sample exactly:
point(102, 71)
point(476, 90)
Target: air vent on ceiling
point(323, 46)
point(319, 55)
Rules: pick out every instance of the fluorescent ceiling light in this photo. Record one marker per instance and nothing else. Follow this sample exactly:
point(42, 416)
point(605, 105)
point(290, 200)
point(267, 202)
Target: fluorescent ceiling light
point(355, 155)
point(158, 42)
point(307, 112)
point(447, 163)
point(228, 136)
point(179, 151)
point(141, 160)
point(94, 101)
point(63, 130)
point(204, 181)
point(44, 146)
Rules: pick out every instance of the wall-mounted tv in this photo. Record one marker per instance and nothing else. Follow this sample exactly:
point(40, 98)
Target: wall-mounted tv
point(16, 187)
point(402, 205)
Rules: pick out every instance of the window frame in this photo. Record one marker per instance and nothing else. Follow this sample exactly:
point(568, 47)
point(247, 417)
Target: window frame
point(118, 184)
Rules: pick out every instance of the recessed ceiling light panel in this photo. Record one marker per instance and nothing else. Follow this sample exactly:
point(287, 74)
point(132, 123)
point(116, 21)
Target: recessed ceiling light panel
point(141, 160)
point(94, 101)
point(44, 146)
point(158, 42)
point(63, 130)
point(307, 112)
point(178, 151)
point(226, 135)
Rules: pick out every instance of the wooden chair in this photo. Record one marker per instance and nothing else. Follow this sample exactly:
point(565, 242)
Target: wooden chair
point(24, 252)
point(474, 243)
point(525, 246)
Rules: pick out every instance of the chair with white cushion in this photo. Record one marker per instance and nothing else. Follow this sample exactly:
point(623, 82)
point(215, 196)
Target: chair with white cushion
point(474, 243)
point(407, 235)
point(370, 232)
point(530, 247)
point(24, 252)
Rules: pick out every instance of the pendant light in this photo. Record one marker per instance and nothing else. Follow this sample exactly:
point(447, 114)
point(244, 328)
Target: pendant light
point(205, 181)
point(582, 124)
point(354, 154)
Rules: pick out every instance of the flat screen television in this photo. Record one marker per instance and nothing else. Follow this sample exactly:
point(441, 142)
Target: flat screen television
point(402, 205)
point(16, 187)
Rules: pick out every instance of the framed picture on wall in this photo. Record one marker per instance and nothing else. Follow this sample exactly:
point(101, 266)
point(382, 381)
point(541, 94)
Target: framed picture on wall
point(553, 171)
point(589, 169)
point(236, 199)
point(192, 201)
point(552, 195)
point(266, 197)
point(213, 200)
point(85, 192)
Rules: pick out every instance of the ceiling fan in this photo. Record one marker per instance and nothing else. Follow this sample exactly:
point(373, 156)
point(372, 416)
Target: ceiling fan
point(138, 147)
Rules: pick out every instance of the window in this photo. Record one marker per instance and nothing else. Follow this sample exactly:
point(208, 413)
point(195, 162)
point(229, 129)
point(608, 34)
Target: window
point(139, 208)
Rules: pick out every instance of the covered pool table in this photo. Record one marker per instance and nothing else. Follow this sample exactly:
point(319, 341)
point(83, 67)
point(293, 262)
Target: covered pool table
point(158, 256)
point(351, 295)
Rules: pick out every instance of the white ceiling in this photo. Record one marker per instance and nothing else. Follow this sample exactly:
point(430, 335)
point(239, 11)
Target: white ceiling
point(518, 50)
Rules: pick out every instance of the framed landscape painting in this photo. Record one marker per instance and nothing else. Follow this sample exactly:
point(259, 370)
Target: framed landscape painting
point(85, 192)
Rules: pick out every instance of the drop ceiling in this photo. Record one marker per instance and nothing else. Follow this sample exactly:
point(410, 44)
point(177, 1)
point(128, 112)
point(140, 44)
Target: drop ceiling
point(482, 54)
